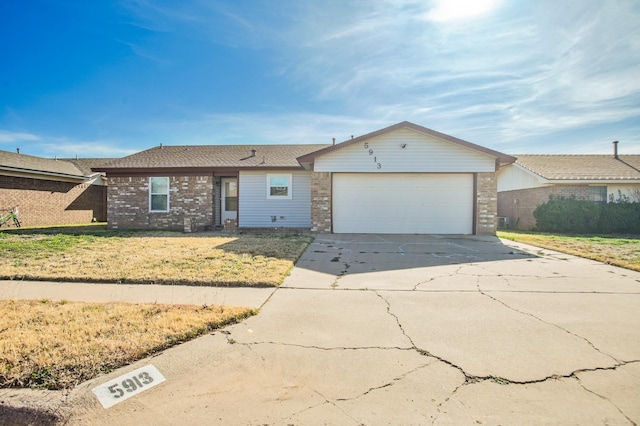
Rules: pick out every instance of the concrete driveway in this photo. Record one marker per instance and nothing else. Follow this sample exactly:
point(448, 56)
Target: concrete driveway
point(410, 330)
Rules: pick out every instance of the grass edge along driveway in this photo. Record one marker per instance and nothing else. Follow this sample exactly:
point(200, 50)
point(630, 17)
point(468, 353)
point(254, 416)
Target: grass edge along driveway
point(148, 257)
point(617, 250)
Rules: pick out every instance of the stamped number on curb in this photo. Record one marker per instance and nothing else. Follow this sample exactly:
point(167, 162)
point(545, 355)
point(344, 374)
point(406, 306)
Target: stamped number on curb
point(128, 385)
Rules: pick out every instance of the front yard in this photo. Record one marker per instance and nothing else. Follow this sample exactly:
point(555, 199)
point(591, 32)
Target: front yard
point(57, 344)
point(623, 251)
point(95, 254)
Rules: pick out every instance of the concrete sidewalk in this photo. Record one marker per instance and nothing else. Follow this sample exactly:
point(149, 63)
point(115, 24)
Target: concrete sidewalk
point(136, 293)
point(405, 330)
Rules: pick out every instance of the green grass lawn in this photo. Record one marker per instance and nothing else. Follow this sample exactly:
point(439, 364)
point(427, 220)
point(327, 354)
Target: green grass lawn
point(618, 250)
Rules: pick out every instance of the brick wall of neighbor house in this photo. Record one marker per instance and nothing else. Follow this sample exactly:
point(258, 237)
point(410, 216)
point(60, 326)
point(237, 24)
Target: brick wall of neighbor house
point(486, 203)
point(190, 203)
point(321, 202)
point(518, 206)
point(46, 202)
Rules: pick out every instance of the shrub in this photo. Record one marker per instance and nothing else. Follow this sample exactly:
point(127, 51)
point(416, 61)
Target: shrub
point(581, 216)
point(620, 218)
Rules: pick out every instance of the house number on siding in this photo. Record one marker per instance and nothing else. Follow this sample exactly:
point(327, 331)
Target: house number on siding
point(375, 159)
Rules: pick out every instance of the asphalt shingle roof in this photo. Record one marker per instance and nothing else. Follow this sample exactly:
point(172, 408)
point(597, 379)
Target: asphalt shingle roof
point(214, 156)
point(86, 164)
point(582, 167)
point(29, 163)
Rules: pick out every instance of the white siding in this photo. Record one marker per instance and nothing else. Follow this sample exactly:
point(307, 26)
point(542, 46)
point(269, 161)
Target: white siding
point(422, 153)
point(630, 190)
point(513, 177)
point(255, 210)
point(403, 203)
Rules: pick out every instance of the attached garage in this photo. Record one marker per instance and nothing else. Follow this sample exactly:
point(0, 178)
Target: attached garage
point(403, 203)
point(404, 179)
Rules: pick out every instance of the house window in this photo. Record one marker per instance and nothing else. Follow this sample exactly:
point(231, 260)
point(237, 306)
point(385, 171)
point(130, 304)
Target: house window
point(279, 187)
point(598, 194)
point(159, 194)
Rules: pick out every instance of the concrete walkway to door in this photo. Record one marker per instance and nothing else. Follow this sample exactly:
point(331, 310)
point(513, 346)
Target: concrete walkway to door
point(409, 330)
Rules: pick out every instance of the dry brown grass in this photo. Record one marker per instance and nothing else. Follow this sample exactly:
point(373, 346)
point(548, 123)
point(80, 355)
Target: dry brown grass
point(56, 345)
point(149, 257)
point(623, 251)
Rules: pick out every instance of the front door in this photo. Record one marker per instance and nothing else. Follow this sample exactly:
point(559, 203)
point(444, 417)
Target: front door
point(229, 198)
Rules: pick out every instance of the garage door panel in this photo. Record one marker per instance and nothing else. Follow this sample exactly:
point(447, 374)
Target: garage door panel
point(403, 203)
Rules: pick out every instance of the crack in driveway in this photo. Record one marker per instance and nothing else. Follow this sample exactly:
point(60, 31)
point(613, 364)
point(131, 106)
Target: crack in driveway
point(605, 399)
point(551, 324)
point(469, 379)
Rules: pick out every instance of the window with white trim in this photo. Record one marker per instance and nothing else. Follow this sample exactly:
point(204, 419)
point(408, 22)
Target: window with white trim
point(159, 194)
point(279, 187)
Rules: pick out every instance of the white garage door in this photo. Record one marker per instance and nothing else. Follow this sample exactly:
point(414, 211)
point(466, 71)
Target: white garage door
point(389, 203)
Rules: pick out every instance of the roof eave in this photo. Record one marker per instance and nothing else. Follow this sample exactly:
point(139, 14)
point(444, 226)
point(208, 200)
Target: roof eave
point(175, 171)
point(41, 174)
point(594, 181)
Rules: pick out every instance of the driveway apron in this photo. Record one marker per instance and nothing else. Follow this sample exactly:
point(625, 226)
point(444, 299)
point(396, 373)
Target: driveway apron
point(389, 329)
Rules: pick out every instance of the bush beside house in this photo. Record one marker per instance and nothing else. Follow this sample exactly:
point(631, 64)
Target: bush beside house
point(582, 216)
point(529, 182)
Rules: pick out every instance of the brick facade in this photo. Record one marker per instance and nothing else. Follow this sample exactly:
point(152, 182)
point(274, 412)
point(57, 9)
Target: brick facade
point(486, 203)
point(46, 202)
point(518, 206)
point(191, 204)
point(321, 202)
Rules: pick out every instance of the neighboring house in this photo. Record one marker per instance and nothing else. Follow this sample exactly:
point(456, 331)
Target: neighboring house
point(532, 179)
point(52, 191)
point(401, 179)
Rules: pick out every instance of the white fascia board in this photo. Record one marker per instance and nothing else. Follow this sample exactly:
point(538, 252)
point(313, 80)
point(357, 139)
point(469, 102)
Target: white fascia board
point(36, 174)
point(543, 180)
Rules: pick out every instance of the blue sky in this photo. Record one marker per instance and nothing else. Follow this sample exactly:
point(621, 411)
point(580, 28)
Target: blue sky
point(107, 78)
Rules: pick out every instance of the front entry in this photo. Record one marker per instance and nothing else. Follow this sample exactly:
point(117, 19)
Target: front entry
point(229, 199)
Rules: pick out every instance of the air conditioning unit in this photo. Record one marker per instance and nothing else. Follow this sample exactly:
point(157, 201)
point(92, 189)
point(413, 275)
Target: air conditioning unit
point(503, 222)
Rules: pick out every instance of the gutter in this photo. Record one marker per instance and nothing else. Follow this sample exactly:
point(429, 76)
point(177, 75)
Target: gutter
point(21, 172)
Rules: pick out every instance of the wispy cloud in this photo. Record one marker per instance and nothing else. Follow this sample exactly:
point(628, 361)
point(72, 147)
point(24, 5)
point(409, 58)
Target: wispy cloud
point(524, 70)
point(497, 73)
point(460, 10)
point(11, 137)
point(56, 146)
point(261, 128)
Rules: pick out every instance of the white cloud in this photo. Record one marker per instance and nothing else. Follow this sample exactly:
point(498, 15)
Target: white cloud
point(527, 69)
point(460, 10)
point(66, 148)
point(493, 72)
point(56, 146)
point(10, 137)
point(263, 128)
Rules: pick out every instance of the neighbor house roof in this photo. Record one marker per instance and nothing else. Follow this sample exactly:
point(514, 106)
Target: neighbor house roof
point(213, 157)
point(503, 158)
point(582, 167)
point(86, 164)
point(43, 168)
